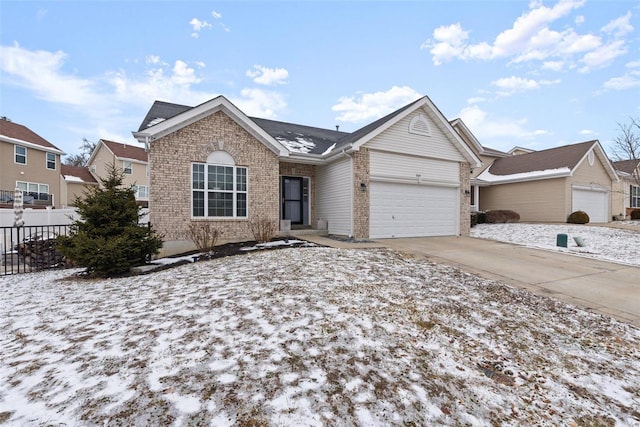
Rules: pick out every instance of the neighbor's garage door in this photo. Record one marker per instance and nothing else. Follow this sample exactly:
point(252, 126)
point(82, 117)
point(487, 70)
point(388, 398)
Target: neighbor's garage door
point(401, 210)
point(595, 203)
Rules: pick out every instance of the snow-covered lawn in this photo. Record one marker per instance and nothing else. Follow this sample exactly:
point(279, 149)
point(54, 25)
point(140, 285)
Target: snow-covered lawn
point(604, 243)
point(307, 336)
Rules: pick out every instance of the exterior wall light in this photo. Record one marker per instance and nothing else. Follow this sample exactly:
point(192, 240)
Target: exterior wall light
point(363, 186)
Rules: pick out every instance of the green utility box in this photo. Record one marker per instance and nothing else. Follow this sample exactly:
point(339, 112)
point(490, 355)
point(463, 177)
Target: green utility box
point(561, 240)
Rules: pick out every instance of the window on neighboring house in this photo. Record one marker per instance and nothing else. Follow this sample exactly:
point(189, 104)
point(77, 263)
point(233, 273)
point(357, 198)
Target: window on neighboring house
point(33, 189)
point(218, 191)
point(634, 201)
point(141, 191)
point(126, 167)
point(51, 161)
point(20, 154)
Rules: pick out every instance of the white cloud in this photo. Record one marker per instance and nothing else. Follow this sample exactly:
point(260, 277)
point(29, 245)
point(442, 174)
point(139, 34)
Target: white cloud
point(370, 106)
point(587, 132)
point(197, 26)
point(579, 20)
point(152, 59)
point(216, 15)
point(553, 65)
point(531, 39)
point(620, 26)
point(603, 56)
point(488, 128)
point(510, 85)
point(628, 81)
point(260, 103)
point(41, 72)
point(268, 76)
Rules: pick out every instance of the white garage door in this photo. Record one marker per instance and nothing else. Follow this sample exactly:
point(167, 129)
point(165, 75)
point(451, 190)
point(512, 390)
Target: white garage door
point(594, 203)
point(402, 210)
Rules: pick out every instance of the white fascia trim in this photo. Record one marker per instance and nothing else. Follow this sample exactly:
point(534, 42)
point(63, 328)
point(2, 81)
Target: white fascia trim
point(309, 159)
point(126, 159)
point(95, 151)
point(31, 145)
point(463, 127)
point(219, 103)
point(487, 178)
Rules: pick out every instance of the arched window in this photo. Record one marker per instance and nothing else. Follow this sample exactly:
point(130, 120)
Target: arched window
point(218, 187)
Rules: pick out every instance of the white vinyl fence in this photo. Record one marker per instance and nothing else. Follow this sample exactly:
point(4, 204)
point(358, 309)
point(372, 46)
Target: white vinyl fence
point(37, 221)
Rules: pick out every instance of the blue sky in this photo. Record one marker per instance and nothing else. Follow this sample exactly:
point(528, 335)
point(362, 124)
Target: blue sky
point(533, 74)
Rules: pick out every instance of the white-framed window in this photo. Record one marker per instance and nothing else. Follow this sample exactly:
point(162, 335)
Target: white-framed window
point(51, 161)
point(141, 191)
point(127, 167)
point(218, 191)
point(20, 154)
point(634, 199)
point(34, 190)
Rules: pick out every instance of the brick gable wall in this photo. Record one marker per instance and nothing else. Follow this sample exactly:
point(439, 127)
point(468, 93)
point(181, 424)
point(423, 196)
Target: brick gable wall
point(170, 161)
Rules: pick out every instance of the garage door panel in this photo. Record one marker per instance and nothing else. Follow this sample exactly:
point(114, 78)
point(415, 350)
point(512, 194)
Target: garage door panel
point(594, 203)
point(404, 210)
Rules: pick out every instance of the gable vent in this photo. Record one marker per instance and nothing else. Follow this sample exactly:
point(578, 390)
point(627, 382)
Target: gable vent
point(420, 125)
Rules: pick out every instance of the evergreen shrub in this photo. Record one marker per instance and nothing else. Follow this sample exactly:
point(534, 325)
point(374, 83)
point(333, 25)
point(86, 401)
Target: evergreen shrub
point(107, 239)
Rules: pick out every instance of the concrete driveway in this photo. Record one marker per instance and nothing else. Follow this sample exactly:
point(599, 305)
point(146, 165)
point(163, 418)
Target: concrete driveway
point(604, 287)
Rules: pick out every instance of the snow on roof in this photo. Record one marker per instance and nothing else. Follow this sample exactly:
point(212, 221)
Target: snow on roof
point(71, 178)
point(524, 176)
point(298, 145)
point(155, 121)
point(328, 150)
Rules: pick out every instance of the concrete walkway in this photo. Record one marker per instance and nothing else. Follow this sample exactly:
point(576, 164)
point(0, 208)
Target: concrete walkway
point(603, 287)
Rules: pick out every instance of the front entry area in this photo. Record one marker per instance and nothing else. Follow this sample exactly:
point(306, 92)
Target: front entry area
point(294, 192)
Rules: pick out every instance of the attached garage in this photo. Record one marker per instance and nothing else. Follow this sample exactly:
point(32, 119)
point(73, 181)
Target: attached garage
point(413, 210)
point(593, 201)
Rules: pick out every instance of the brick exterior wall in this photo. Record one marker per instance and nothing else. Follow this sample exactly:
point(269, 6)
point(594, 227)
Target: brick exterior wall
point(465, 200)
point(361, 174)
point(170, 161)
point(302, 170)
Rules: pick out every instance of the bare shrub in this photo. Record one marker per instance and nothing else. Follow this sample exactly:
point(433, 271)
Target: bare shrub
point(204, 235)
point(501, 216)
point(262, 228)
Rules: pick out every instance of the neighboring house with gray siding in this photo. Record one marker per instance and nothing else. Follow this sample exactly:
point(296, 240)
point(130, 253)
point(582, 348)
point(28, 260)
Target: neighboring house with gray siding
point(406, 174)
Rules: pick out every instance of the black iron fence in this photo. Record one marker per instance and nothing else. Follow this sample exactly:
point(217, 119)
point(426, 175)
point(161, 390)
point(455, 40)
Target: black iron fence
point(30, 248)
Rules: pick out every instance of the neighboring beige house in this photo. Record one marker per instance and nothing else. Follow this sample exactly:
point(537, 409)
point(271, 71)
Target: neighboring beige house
point(626, 195)
point(406, 174)
point(548, 185)
point(74, 181)
point(28, 162)
point(132, 160)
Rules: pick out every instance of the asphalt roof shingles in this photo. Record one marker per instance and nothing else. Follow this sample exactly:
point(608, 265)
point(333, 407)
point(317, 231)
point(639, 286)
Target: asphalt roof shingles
point(23, 133)
point(566, 156)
